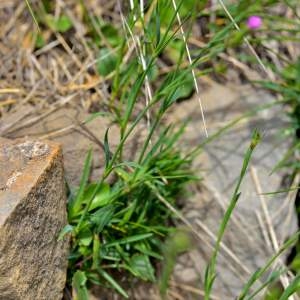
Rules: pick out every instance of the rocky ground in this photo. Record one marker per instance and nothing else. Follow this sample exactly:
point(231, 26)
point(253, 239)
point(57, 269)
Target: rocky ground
point(247, 243)
point(40, 100)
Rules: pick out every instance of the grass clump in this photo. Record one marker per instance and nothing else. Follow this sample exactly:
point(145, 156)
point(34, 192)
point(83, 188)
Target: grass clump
point(210, 273)
point(126, 223)
point(119, 222)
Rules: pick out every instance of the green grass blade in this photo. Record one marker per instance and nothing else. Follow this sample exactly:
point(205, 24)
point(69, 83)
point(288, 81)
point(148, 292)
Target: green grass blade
point(288, 154)
point(79, 285)
point(256, 275)
point(114, 284)
point(32, 15)
point(291, 289)
point(96, 252)
point(211, 274)
point(274, 276)
point(75, 205)
point(130, 239)
point(106, 148)
point(293, 188)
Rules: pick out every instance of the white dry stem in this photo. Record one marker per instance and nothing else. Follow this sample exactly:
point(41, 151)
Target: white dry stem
point(39, 68)
point(263, 230)
point(288, 201)
point(191, 62)
point(138, 48)
point(268, 222)
point(47, 48)
point(63, 66)
point(132, 8)
point(10, 91)
point(223, 246)
point(142, 58)
point(142, 8)
point(201, 238)
point(237, 220)
point(192, 289)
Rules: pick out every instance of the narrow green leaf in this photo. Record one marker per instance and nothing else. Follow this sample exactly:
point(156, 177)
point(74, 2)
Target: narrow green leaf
point(102, 217)
point(76, 204)
point(96, 252)
point(274, 276)
point(79, 286)
point(236, 194)
point(157, 23)
point(102, 198)
point(257, 274)
point(114, 284)
point(32, 15)
point(287, 155)
point(131, 239)
point(291, 289)
point(106, 149)
point(141, 247)
point(142, 267)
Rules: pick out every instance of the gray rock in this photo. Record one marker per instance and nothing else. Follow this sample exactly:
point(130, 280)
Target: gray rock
point(33, 262)
point(247, 245)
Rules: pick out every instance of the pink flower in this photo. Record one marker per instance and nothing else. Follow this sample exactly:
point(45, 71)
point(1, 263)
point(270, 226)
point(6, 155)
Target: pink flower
point(254, 22)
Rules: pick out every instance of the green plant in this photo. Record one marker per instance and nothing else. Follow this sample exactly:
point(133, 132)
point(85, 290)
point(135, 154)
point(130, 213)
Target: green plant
point(210, 273)
point(121, 225)
point(125, 222)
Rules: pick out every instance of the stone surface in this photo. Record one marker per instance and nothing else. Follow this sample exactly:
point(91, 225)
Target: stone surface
point(219, 165)
point(64, 126)
point(32, 213)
